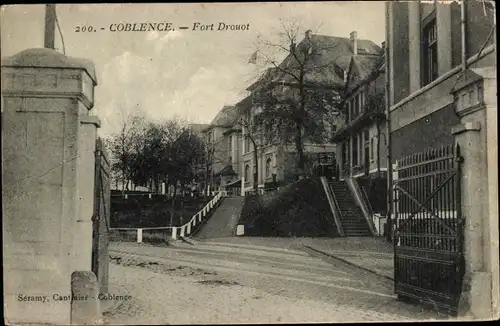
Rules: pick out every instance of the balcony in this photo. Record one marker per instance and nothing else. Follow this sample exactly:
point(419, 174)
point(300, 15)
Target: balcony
point(373, 109)
point(348, 171)
point(359, 169)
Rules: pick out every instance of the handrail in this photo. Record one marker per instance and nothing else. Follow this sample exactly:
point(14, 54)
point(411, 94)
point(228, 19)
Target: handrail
point(367, 200)
point(356, 191)
point(335, 207)
point(187, 228)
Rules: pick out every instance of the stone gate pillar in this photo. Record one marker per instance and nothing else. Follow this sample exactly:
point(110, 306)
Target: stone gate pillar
point(46, 181)
point(476, 105)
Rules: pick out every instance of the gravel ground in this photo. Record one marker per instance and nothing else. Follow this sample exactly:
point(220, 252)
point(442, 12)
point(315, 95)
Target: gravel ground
point(247, 283)
point(162, 295)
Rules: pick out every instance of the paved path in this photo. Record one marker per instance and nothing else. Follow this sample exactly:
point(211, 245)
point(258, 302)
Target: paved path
point(219, 281)
point(223, 221)
point(372, 253)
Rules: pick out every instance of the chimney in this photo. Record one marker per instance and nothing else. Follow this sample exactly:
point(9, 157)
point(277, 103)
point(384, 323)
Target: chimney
point(308, 34)
point(353, 41)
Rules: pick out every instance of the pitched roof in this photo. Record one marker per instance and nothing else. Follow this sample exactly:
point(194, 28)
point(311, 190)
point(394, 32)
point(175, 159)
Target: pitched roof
point(364, 65)
point(198, 128)
point(267, 76)
point(226, 117)
point(227, 170)
point(333, 53)
point(362, 68)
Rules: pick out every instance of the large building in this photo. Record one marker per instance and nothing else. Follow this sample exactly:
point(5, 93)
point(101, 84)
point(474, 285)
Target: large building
point(223, 146)
point(361, 133)
point(276, 161)
point(427, 47)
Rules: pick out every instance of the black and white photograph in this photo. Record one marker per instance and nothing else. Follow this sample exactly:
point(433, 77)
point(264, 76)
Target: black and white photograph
point(249, 162)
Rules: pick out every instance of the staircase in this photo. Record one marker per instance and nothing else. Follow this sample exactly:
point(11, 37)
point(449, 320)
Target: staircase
point(353, 222)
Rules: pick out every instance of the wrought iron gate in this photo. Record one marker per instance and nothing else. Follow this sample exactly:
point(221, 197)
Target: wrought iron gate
point(101, 218)
point(428, 228)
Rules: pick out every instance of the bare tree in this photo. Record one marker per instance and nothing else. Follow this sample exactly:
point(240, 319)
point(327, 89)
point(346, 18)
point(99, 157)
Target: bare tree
point(301, 95)
point(122, 148)
point(212, 156)
point(252, 132)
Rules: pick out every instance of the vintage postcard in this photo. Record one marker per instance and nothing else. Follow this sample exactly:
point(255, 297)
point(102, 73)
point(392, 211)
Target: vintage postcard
point(266, 162)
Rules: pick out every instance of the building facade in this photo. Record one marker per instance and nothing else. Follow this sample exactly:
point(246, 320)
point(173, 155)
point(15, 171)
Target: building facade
point(361, 134)
point(223, 149)
point(426, 54)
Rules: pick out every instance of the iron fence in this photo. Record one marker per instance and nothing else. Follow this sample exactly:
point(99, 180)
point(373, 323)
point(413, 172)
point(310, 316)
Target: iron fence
point(428, 229)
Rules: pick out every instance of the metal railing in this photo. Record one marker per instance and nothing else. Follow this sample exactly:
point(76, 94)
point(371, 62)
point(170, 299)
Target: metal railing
point(334, 206)
point(366, 199)
point(187, 228)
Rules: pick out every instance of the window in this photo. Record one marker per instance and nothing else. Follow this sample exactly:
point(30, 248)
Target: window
point(247, 173)
point(230, 145)
point(367, 136)
point(356, 106)
point(361, 101)
point(268, 167)
point(348, 111)
point(372, 156)
point(247, 144)
point(333, 128)
point(345, 153)
point(363, 98)
point(429, 52)
point(355, 150)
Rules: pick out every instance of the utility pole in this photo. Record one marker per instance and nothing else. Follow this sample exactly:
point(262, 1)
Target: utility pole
point(50, 26)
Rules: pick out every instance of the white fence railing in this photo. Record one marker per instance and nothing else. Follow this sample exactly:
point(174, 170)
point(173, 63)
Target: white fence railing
point(183, 230)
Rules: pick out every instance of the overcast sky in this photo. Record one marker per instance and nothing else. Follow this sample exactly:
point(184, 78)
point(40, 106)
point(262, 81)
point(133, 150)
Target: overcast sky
point(183, 73)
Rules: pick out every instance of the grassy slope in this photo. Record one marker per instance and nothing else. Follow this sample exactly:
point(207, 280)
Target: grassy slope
point(300, 209)
point(140, 211)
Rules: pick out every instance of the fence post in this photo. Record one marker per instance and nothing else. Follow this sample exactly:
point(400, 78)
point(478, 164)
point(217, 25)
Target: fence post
point(126, 196)
point(189, 228)
point(395, 196)
point(199, 216)
point(149, 196)
point(139, 235)
point(174, 233)
point(182, 230)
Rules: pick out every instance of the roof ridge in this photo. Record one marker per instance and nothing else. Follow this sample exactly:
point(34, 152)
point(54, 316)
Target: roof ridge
point(343, 38)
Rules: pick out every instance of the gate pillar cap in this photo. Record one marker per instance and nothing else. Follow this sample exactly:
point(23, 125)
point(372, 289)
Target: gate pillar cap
point(90, 119)
point(49, 58)
point(467, 126)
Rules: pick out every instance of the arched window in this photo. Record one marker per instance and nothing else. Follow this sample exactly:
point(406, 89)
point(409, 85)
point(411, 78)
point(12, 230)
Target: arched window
point(247, 173)
point(268, 167)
